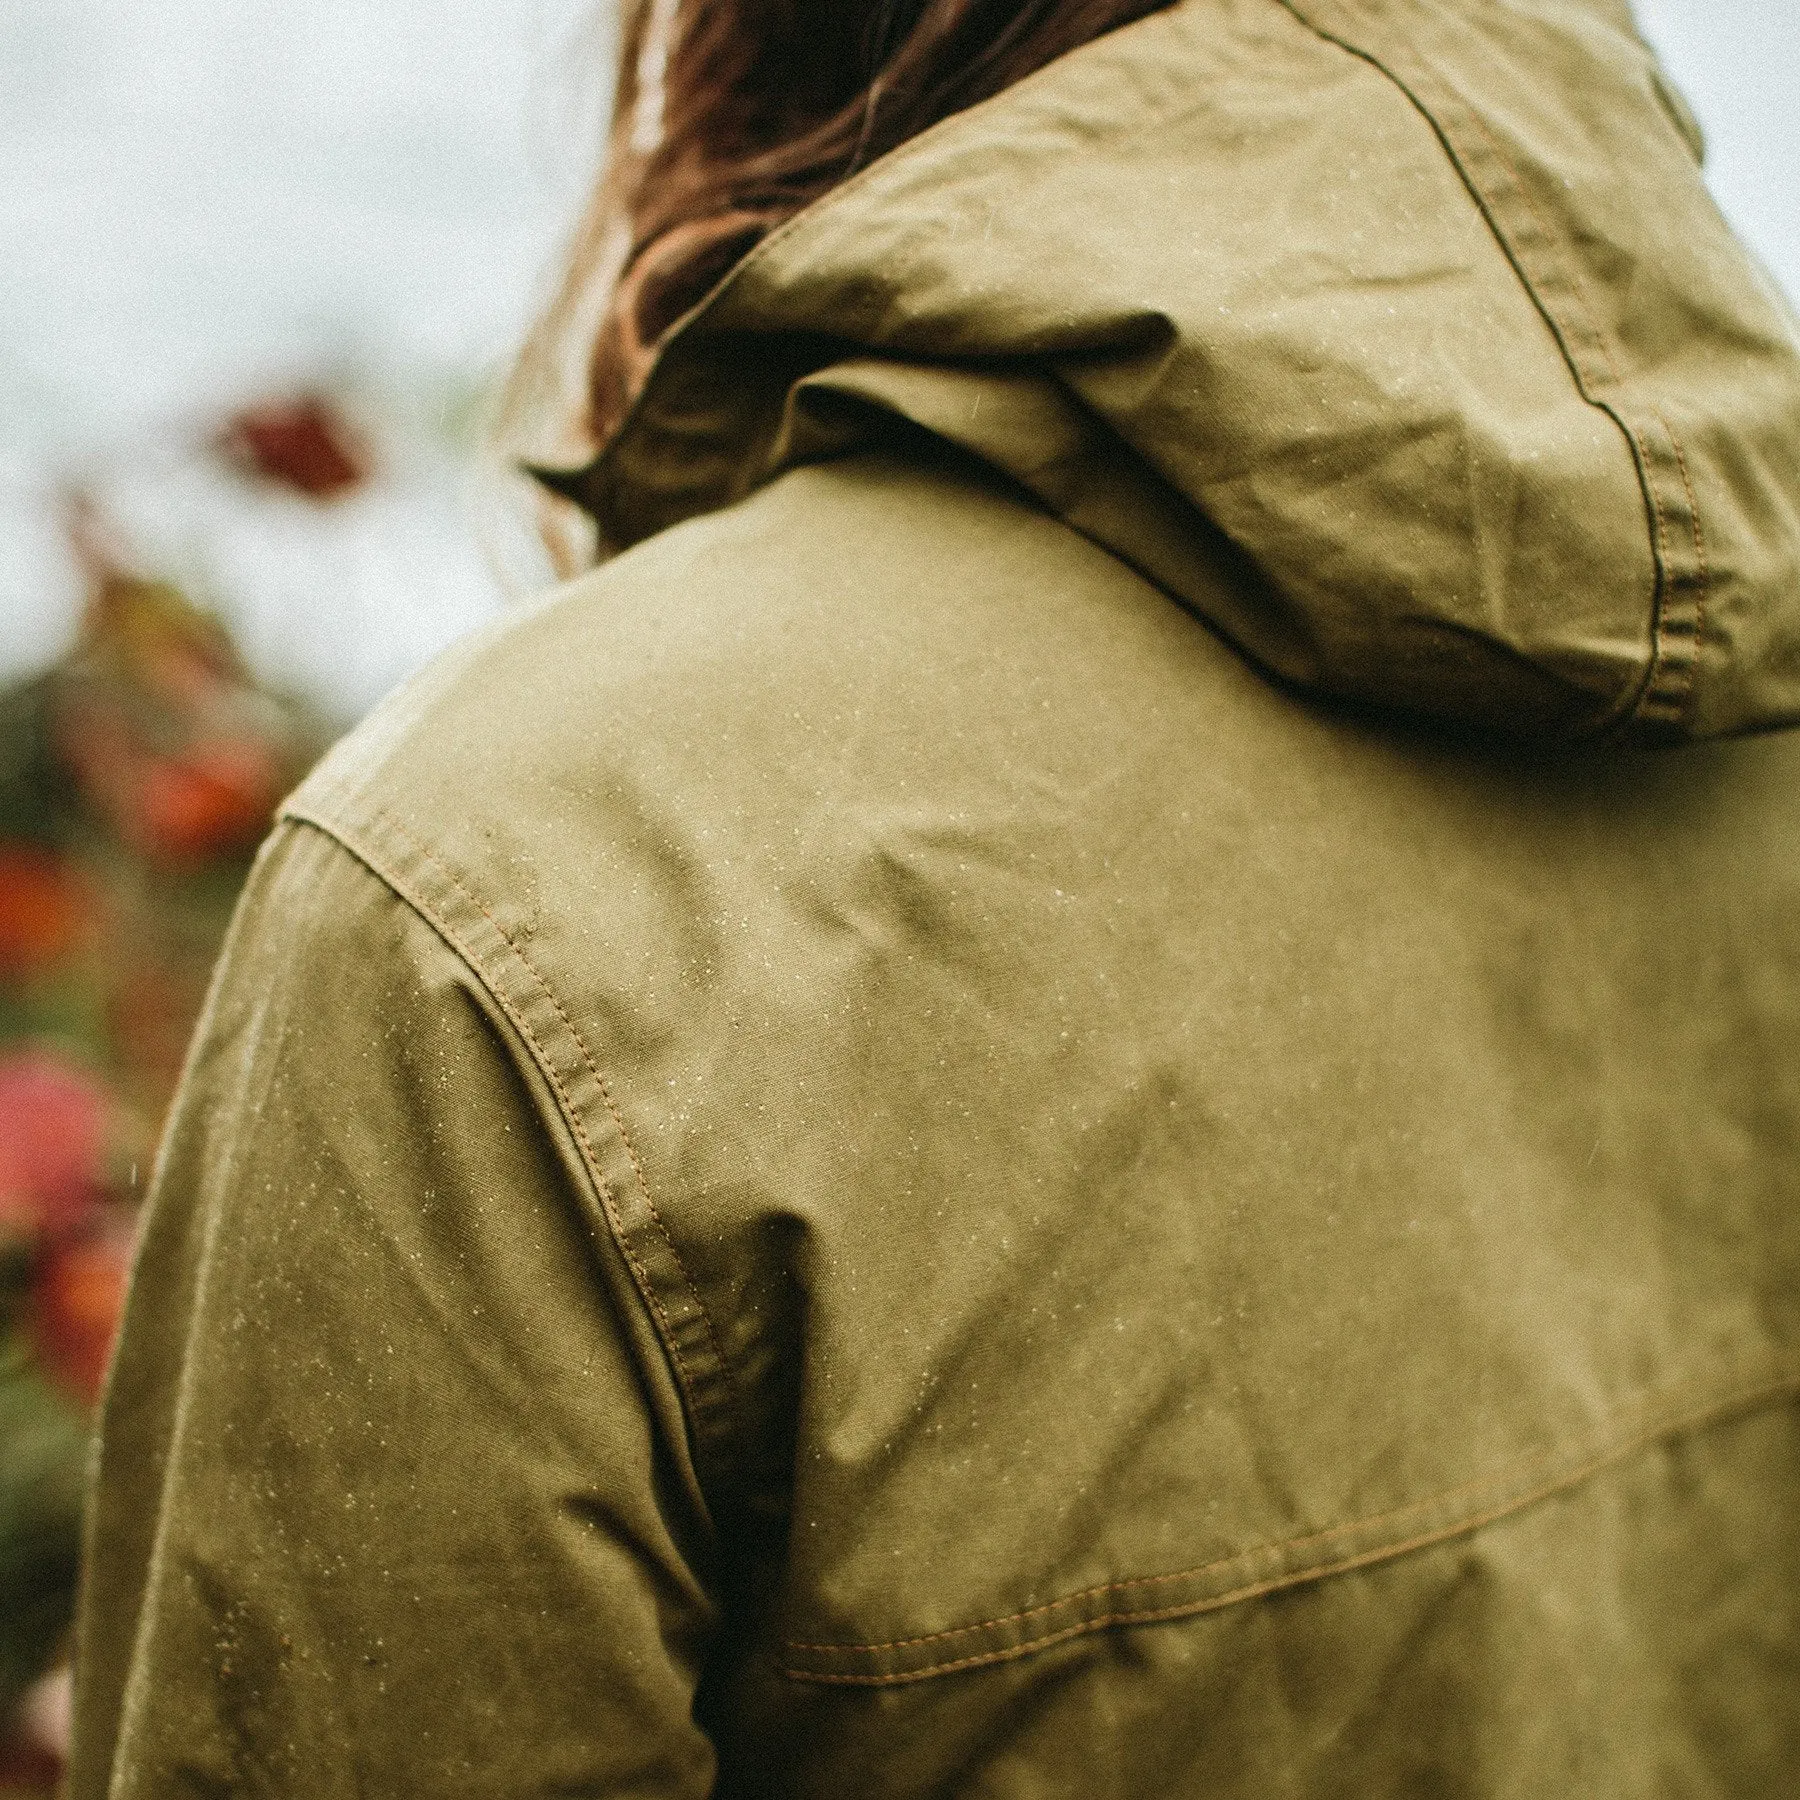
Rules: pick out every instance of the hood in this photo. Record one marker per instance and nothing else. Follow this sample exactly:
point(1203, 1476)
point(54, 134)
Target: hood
point(1398, 339)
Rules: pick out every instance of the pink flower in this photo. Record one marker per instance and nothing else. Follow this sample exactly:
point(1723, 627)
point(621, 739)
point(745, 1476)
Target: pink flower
point(52, 1144)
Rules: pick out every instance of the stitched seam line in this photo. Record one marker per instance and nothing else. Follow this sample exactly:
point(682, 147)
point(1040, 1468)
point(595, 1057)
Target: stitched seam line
point(1276, 1547)
point(1702, 596)
point(1617, 1452)
point(1633, 699)
point(593, 1069)
point(1598, 334)
point(1603, 339)
point(603, 1188)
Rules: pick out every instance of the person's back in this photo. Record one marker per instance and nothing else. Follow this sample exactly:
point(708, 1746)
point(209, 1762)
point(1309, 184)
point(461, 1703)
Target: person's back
point(855, 1157)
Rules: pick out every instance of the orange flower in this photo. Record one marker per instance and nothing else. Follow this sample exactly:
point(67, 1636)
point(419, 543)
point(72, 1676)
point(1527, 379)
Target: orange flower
point(212, 799)
point(78, 1302)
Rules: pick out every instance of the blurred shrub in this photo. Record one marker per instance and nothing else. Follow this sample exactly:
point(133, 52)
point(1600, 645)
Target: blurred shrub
point(136, 777)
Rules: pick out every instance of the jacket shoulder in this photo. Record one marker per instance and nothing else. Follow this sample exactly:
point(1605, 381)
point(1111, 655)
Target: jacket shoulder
point(646, 811)
point(866, 595)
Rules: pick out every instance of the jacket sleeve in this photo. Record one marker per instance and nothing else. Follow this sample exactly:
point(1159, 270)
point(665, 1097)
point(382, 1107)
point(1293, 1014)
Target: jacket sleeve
point(386, 1501)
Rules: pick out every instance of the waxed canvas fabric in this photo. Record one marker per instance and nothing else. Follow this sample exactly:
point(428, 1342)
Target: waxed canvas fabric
point(1067, 1092)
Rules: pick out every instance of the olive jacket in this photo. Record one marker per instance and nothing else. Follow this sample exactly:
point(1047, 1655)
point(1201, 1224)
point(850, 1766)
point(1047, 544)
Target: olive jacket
point(1089, 1083)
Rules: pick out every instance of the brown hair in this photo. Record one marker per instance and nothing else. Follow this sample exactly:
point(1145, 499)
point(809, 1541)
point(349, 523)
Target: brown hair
point(732, 115)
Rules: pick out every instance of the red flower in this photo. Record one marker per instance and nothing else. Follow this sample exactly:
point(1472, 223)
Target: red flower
point(303, 443)
point(43, 908)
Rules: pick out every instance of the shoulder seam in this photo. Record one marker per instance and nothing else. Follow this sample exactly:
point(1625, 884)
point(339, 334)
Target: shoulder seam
point(682, 1323)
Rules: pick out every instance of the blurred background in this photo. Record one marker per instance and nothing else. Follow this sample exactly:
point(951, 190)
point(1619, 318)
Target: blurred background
point(262, 269)
point(205, 204)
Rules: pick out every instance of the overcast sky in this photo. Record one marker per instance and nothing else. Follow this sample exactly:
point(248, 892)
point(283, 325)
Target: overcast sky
point(199, 196)
point(193, 188)
point(1738, 62)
